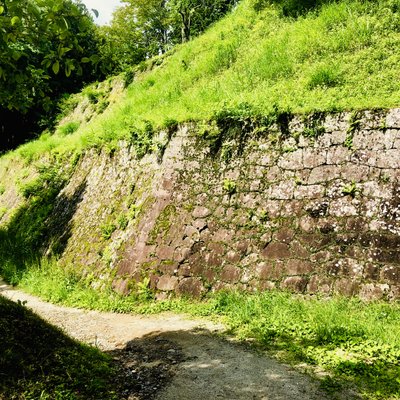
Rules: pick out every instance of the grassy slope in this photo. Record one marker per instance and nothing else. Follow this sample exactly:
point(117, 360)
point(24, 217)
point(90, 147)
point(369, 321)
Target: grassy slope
point(342, 57)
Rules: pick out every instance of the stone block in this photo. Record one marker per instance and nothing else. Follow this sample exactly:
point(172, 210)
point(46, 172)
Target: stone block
point(231, 274)
point(295, 284)
point(313, 157)
point(298, 250)
point(165, 252)
point(324, 173)
point(276, 251)
point(191, 287)
point(344, 207)
point(319, 284)
point(391, 274)
point(309, 192)
point(393, 118)
point(298, 267)
point(346, 287)
point(371, 272)
point(292, 161)
point(167, 283)
point(201, 212)
point(370, 291)
point(357, 173)
point(337, 155)
point(394, 293)
point(388, 159)
point(284, 235)
point(265, 271)
point(282, 191)
point(266, 285)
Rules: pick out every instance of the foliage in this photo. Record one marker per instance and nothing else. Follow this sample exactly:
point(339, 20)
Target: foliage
point(350, 190)
point(107, 230)
point(68, 128)
point(142, 29)
point(38, 41)
point(229, 186)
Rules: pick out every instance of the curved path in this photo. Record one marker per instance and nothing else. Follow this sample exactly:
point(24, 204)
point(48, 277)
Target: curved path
point(209, 367)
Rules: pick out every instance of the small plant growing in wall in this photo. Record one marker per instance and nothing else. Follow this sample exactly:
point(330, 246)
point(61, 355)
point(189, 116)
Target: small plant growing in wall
point(263, 216)
point(229, 186)
point(122, 222)
point(350, 190)
point(107, 230)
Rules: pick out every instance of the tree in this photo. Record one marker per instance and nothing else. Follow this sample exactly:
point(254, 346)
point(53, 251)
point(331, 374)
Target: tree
point(192, 17)
point(141, 29)
point(138, 31)
point(40, 39)
point(47, 47)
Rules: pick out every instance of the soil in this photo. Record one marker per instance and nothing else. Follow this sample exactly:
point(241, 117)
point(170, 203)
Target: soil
point(171, 357)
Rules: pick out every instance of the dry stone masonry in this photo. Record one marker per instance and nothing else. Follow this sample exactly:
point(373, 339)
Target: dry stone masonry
point(311, 206)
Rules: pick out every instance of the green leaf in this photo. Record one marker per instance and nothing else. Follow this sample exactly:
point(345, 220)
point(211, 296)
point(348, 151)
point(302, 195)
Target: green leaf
point(85, 60)
point(1, 9)
point(15, 20)
point(94, 58)
point(67, 70)
point(56, 67)
point(95, 12)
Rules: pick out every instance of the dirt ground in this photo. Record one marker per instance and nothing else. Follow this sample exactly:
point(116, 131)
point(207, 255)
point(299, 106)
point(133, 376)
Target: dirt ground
point(175, 358)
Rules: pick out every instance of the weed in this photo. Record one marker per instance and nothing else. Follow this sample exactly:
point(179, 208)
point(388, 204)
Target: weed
point(350, 190)
point(264, 216)
point(107, 230)
point(229, 186)
point(102, 106)
point(122, 222)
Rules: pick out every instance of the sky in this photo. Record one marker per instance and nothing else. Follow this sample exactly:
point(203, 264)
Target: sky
point(104, 7)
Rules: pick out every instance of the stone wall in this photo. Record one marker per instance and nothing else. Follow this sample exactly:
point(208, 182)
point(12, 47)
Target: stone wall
point(312, 206)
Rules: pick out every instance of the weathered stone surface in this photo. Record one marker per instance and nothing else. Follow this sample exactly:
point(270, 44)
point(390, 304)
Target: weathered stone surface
point(371, 292)
point(346, 287)
point(298, 267)
point(231, 274)
point(275, 251)
point(324, 173)
point(294, 284)
point(201, 212)
point(191, 287)
point(167, 283)
point(292, 161)
point(320, 284)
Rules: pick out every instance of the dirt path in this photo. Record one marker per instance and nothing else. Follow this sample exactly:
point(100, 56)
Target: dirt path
point(177, 358)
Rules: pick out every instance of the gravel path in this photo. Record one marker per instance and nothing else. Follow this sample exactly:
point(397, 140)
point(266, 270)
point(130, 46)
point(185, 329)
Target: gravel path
point(177, 358)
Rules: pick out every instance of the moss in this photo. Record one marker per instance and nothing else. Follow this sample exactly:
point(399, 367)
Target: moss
point(163, 224)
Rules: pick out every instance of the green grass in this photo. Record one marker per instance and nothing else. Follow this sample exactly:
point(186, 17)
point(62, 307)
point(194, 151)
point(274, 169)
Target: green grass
point(341, 57)
point(357, 343)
